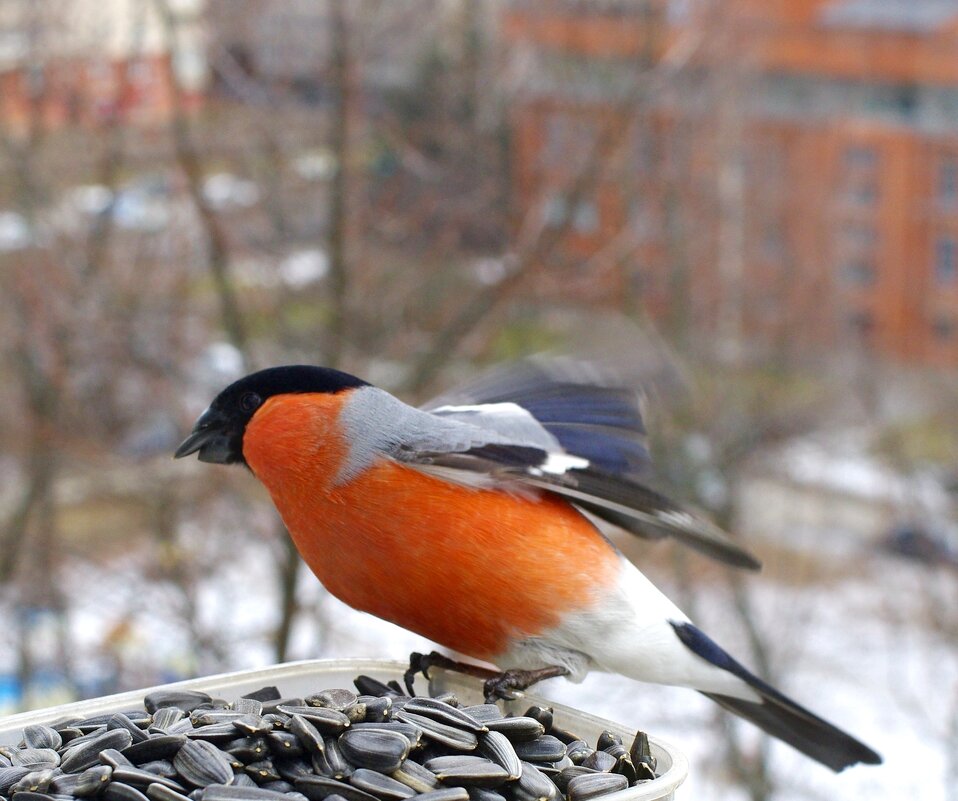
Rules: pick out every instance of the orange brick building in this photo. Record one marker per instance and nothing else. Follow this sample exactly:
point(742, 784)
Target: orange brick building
point(782, 174)
point(90, 62)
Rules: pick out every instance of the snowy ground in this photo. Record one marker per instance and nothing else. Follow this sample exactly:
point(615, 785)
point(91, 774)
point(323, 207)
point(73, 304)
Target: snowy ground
point(862, 652)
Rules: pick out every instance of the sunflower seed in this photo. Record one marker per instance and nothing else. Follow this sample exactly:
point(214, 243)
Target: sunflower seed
point(163, 746)
point(447, 794)
point(262, 771)
point(370, 686)
point(443, 713)
point(517, 729)
point(543, 714)
point(252, 725)
point(483, 773)
point(581, 788)
point(416, 777)
point(64, 783)
point(337, 699)
point(264, 694)
point(113, 758)
point(328, 721)
point(284, 744)
point(121, 721)
point(214, 733)
point(316, 788)
point(35, 758)
point(450, 736)
point(30, 795)
point(374, 748)
point(80, 757)
point(440, 763)
point(271, 707)
point(248, 706)
point(534, 785)
point(567, 774)
point(187, 700)
point(578, 750)
point(377, 709)
point(496, 746)
point(165, 717)
point(160, 767)
point(141, 779)
point(307, 734)
point(379, 785)
point(290, 770)
point(408, 730)
point(641, 756)
point(600, 761)
point(121, 792)
point(201, 763)
point(34, 781)
point(483, 712)
point(283, 787)
point(247, 749)
point(10, 776)
point(41, 737)
point(157, 792)
point(335, 762)
point(230, 792)
point(485, 794)
point(606, 740)
point(544, 749)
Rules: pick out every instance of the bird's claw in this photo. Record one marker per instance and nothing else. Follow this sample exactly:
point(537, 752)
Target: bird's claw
point(510, 682)
point(418, 663)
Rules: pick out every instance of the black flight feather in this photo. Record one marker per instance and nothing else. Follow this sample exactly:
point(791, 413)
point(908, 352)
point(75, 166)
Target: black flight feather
point(777, 714)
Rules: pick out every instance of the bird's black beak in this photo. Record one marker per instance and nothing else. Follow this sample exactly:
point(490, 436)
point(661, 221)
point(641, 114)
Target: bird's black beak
point(210, 437)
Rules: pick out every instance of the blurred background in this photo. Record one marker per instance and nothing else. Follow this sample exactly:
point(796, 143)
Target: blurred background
point(753, 203)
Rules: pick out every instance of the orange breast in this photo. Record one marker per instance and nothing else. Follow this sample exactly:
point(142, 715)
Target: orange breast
point(471, 569)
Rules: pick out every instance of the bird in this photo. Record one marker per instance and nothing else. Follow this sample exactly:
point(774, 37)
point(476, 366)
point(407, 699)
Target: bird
point(473, 521)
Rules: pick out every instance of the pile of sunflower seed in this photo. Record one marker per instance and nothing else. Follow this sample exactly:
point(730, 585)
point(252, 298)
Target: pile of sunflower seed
point(335, 745)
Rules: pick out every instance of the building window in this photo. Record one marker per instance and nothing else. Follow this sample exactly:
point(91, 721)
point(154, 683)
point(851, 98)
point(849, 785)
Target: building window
point(555, 210)
point(860, 180)
point(863, 191)
point(948, 182)
point(860, 157)
point(860, 323)
point(946, 261)
point(858, 273)
point(585, 219)
point(943, 328)
point(859, 236)
point(567, 140)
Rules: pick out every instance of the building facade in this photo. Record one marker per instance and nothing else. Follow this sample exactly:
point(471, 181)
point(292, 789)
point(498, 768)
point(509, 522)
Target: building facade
point(91, 62)
point(784, 174)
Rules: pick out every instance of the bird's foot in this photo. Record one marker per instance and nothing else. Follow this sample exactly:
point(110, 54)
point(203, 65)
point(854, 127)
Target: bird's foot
point(506, 684)
point(422, 663)
point(496, 685)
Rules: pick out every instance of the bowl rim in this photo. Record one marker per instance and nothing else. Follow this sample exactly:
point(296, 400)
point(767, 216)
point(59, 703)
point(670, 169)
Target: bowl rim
point(220, 684)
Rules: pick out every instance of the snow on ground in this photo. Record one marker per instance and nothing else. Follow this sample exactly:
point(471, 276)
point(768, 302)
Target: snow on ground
point(863, 652)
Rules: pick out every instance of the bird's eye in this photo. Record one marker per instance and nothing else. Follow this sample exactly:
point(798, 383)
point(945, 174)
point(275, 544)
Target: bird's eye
point(250, 401)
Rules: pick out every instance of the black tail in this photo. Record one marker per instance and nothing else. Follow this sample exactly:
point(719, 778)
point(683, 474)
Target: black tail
point(801, 729)
point(777, 714)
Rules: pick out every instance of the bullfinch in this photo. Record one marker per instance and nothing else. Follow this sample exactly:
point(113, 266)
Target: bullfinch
point(468, 521)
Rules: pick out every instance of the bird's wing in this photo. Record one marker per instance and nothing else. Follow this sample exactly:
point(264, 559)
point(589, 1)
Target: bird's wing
point(563, 428)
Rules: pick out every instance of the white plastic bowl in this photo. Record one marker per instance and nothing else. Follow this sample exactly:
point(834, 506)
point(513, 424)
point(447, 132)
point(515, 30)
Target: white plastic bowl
point(301, 678)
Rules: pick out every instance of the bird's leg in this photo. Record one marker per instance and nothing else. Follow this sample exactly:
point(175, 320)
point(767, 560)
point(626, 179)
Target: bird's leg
point(421, 663)
point(496, 684)
point(502, 685)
